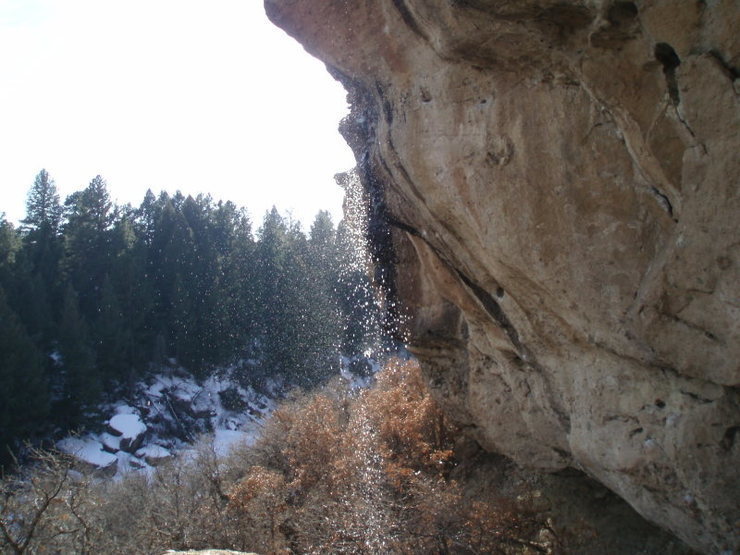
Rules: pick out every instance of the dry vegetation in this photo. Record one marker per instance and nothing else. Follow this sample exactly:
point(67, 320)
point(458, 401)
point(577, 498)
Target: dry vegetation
point(332, 472)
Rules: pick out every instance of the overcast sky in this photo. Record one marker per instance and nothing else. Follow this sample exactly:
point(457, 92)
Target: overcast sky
point(166, 94)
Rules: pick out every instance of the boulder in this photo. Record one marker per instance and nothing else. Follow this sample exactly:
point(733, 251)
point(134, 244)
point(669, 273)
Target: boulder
point(135, 463)
point(110, 442)
point(154, 454)
point(89, 456)
point(192, 407)
point(131, 430)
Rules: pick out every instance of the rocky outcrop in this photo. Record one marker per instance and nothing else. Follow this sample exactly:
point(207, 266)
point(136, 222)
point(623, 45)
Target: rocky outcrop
point(562, 181)
point(210, 552)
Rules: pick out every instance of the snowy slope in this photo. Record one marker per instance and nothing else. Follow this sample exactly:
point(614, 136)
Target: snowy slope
point(167, 413)
point(170, 410)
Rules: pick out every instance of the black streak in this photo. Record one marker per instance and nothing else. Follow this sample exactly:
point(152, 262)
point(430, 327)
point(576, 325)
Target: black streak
point(495, 311)
point(408, 18)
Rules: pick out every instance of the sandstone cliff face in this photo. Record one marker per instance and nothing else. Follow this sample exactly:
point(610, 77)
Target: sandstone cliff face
point(563, 179)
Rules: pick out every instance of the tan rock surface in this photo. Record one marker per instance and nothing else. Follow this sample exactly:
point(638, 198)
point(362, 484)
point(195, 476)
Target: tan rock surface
point(209, 552)
point(563, 178)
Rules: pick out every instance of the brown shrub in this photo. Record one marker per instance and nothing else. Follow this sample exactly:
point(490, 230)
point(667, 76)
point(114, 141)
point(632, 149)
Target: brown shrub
point(258, 503)
point(369, 473)
point(333, 471)
point(414, 435)
point(43, 507)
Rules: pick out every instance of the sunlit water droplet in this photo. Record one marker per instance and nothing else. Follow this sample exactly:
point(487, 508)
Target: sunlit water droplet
point(367, 499)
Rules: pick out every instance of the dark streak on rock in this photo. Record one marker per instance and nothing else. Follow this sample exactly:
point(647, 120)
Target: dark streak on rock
point(498, 315)
point(359, 129)
point(696, 397)
point(403, 226)
point(732, 72)
point(408, 18)
point(708, 334)
point(663, 200)
point(386, 104)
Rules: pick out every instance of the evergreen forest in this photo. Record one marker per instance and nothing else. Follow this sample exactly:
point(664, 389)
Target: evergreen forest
point(94, 295)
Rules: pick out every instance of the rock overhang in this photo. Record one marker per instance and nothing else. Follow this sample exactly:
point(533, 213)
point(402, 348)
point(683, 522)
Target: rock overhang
point(562, 180)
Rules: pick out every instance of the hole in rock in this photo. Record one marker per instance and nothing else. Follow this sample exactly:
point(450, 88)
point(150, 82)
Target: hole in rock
point(622, 12)
point(668, 58)
point(728, 440)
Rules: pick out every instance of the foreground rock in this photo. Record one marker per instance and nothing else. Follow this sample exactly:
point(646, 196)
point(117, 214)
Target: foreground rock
point(563, 182)
point(211, 552)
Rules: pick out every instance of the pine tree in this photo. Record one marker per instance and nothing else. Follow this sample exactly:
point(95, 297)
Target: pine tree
point(170, 264)
point(10, 243)
point(88, 237)
point(205, 319)
point(133, 291)
point(147, 216)
point(24, 402)
point(40, 257)
point(78, 381)
point(113, 337)
point(117, 288)
point(95, 207)
point(322, 302)
point(238, 286)
point(272, 301)
point(43, 209)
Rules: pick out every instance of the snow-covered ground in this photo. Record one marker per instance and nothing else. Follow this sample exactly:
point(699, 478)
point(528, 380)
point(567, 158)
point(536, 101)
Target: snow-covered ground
point(170, 410)
point(167, 413)
point(89, 450)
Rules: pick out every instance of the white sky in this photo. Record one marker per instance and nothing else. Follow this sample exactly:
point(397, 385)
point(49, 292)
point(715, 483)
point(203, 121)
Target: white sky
point(201, 96)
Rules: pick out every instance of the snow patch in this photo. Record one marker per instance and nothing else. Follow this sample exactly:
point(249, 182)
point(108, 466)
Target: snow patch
point(167, 413)
point(225, 440)
point(110, 442)
point(154, 454)
point(130, 426)
point(87, 450)
point(154, 451)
